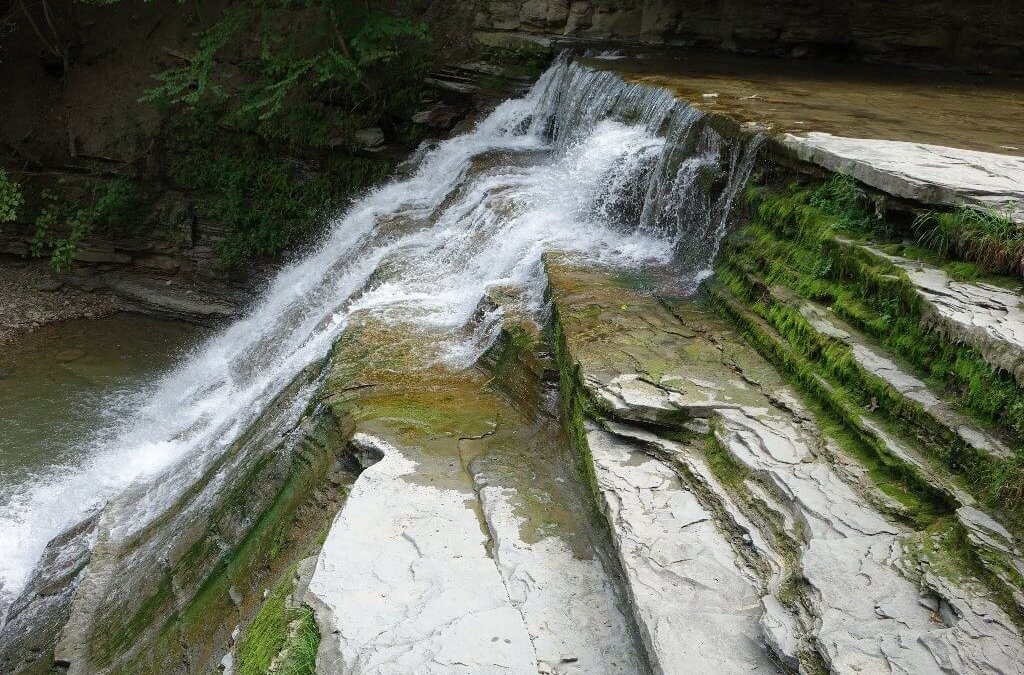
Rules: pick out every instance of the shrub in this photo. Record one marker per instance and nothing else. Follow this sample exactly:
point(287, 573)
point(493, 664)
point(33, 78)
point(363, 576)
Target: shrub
point(10, 198)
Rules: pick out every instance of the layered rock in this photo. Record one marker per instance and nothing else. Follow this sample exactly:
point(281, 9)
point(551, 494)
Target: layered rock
point(987, 317)
point(673, 365)
point(965, 34)
point(463, 549)
point(930, 174)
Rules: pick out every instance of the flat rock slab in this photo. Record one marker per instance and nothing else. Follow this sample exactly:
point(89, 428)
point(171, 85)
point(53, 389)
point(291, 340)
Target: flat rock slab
point(404, 583)
point(694, 374)
point(697, 612)
point(462, 549)
point(931, 174)
point(567, 603)
point(986, 317)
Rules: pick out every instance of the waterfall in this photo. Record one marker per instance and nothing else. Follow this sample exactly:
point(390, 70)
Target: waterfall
point(583, 163)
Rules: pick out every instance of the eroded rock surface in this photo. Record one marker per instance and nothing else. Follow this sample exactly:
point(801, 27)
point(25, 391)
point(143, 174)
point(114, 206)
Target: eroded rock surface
point(986, 317)
point(463, 550)
point(675, 365)
point(404, 583)
point(698, 612)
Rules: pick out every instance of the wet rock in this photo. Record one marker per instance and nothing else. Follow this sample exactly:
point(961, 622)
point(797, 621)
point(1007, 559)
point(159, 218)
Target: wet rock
point(697, 613)
point(370, 139)
point(843, 545)
point(875, 361)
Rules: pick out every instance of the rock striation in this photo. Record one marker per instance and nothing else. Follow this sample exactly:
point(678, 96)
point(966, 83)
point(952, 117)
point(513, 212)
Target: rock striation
point(840, 588)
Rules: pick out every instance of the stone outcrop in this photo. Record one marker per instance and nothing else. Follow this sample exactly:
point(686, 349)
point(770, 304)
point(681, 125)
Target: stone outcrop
point(980, 34)
point(928, 174)
point(465, 547)
point(986, 317)
point(841, 588)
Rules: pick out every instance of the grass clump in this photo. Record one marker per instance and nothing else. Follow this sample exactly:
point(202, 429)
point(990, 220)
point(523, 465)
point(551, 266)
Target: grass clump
point(981, 236)
point(280, 634)
point(302, 646)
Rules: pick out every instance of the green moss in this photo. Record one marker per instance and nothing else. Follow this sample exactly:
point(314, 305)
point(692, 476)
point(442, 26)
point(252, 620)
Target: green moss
point(727, 470)
point(278, 629)
point(794, 244)
point(266, 635)
point(576, 406)
point(840, 417)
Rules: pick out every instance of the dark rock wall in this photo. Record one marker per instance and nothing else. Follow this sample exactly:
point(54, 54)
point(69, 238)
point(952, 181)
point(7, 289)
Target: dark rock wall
point(971, 34)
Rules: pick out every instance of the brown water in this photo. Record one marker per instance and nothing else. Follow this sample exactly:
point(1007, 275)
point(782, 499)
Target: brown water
point(957, 110)
point(64, 384)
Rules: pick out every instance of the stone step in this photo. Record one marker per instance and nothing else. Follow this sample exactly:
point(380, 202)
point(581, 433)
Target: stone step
point(462, 550)
point(673, 365)
point(873, 359)
point(697, 610)
point(930, 174)
point(993, 548)
point(986, 317)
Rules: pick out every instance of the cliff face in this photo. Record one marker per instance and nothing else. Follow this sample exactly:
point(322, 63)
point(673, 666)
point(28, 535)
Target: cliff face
point(982, 35)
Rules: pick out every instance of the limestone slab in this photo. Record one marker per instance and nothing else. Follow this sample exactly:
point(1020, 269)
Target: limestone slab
point(931, 174)
point(697, 613)
point(404, 583)
point(986, 317)
point(567, 603)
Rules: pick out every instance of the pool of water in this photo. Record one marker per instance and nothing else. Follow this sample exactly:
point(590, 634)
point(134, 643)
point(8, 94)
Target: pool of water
point(854, 100)
point(64, 384)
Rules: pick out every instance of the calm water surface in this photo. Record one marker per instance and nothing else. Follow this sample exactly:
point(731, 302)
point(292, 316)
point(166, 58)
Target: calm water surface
point(64, 384)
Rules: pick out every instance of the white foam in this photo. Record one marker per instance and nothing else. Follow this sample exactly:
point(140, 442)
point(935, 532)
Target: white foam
point(465, 230)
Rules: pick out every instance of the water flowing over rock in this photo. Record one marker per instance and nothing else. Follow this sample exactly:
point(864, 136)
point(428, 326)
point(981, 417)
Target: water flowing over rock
point(398, 383)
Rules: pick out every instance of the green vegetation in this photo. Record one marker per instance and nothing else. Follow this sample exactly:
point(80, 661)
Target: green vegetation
point(279, 629)
point(263, 117)
point(795, 240)
point(10, 198)
point(976, 235)
point(111, 207)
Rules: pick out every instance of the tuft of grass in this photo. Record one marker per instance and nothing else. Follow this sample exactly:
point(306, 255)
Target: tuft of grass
point(976, 235)
point(280, 630)
point(302, 646)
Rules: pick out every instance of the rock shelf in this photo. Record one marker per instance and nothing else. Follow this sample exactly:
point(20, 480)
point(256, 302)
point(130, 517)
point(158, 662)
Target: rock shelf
point(848, 601)
point(462, 549)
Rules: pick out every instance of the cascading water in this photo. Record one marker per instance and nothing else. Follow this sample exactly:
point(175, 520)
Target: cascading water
point(584, 163)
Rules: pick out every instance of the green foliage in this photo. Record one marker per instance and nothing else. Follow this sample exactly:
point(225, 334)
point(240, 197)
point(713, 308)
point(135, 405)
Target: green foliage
point(787, 243)
point(267, 201)
point(264, 114)
point(111, 207)
point(278, 628)
point(325, 54)
point(981, 236)
point(266, 635)
point(10, 198)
